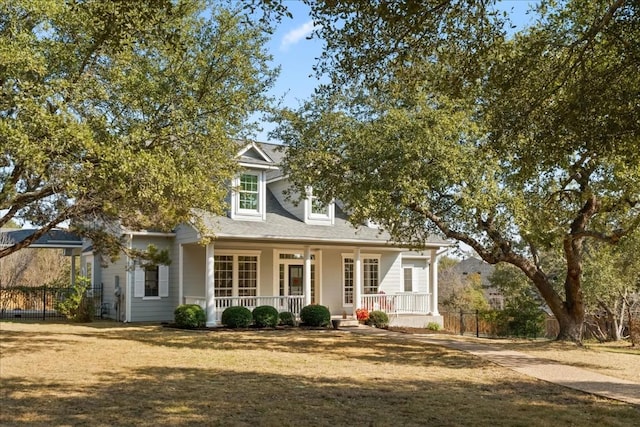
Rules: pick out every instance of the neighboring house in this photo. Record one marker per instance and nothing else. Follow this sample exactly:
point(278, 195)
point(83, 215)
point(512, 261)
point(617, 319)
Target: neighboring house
point(270, 251)
point(473, 265)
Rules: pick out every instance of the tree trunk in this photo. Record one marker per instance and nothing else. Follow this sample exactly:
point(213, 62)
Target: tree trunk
point(570, 326)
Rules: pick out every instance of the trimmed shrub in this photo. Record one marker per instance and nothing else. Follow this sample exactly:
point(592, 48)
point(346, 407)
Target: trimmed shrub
point(379, 319)
point(315, 315)
point(287, 318)
point(189, 316)
point(433, 326)
point(237, 317)
point(265, 316)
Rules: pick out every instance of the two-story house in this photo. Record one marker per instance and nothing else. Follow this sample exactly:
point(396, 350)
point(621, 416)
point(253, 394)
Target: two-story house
point(271, 251)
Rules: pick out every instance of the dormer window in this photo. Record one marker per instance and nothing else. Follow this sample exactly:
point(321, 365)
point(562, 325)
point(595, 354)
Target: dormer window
point(249, 194)
point(248, 202)
point(317, 212)
point(318, 207)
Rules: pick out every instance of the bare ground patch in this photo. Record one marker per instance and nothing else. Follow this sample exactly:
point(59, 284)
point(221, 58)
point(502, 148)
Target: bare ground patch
point(109, 374)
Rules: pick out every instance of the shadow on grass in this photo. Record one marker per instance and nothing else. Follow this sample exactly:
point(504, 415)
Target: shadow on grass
point(188, 396)
point(337, 345)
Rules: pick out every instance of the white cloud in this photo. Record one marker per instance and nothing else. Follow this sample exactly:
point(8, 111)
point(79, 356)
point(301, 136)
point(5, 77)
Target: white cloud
point(297, 34)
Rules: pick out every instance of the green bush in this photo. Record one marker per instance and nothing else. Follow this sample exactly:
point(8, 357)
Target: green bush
point(379, 319)
point(78, 305)
point(521, 320)
point(529, 323)
point(189, 316)
point(287, 318)
point(265, 316)
point(433, 326)
point(237, 317)
point(315, 315)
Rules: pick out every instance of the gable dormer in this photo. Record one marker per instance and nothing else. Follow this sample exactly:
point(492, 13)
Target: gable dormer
point(249, 194)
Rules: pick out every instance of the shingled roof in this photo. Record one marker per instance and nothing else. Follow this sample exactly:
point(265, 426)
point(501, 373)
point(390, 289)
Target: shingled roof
point(281, 225)
point(56, 238)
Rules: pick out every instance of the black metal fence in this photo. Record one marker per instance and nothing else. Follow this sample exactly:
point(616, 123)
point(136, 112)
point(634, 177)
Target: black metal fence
point(473, 323)
point(40, 302)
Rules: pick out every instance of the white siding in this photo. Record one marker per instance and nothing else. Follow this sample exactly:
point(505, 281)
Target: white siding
point(391, 273)
point(194, 266)
point(420, 268)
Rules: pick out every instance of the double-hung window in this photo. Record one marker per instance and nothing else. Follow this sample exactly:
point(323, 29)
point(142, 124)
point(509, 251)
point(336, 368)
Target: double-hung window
point(249, 196)
point(317, 207)
point(249, 193)
point(316, 211)
point(151, 281)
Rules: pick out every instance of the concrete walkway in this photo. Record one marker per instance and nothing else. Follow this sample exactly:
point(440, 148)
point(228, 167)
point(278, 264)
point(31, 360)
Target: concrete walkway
point(553, 372)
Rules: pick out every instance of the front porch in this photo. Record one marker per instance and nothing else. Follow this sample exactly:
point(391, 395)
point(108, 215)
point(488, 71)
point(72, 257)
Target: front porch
point(395, 305)
point(288, 278)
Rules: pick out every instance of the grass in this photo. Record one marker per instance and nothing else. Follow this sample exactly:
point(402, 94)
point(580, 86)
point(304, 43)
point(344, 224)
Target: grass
point(103, 374)
point(617, 359)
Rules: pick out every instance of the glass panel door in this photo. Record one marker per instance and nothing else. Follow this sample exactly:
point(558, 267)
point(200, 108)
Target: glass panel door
point(296, 280)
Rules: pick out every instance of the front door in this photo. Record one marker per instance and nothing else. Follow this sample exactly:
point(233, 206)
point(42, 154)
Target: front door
point(296, 280)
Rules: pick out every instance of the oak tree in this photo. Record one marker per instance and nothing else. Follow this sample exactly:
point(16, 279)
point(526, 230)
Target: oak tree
point(123, 114)
point(440, 117)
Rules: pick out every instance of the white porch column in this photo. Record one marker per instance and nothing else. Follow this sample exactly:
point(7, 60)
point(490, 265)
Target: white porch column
point(130, 283)
point(357, 279)
point(307, 275)
point(210, 287)
point(433, 279)
point(73, 268)
point(180, 274)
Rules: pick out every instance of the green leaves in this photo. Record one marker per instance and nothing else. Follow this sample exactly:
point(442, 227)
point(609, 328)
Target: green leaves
point(438, 120)
point(123, 112)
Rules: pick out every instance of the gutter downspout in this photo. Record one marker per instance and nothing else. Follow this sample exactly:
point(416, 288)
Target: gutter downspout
point(129, 285)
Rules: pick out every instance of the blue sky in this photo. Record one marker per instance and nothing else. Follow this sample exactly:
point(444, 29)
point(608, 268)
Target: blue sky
point(296, 55)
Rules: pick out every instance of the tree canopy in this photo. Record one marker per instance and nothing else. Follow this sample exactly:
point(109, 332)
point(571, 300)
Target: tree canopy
point(123, 113)
point(442, 118)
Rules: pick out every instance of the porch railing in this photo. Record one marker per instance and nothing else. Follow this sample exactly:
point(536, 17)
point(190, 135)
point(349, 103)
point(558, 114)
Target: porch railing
point(401, 303)
point(282, 303)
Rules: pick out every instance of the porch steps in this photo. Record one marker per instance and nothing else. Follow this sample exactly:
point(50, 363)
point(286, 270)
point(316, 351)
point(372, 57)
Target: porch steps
point(339, 322)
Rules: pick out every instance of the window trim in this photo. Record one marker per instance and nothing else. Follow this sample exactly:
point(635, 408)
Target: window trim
point(363, 257)
point(235, 272)
point(258, 214)
point(352, 261)
point(139, 281)
point(148, 280)
point(406, 270)
point(249, 192)
point(317, 218)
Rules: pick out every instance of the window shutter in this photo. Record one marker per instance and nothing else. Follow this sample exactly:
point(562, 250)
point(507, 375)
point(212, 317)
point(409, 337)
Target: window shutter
point(163, 280)
point(138, 289)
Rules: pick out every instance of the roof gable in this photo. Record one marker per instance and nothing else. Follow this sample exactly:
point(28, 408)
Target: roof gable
point(252, 153)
